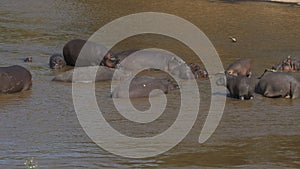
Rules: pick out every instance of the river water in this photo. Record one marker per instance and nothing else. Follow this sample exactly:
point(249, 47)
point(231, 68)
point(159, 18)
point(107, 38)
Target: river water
point(42, 123)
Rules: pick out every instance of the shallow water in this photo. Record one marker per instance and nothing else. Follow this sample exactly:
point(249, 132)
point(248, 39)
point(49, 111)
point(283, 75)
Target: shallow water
point(42, 123)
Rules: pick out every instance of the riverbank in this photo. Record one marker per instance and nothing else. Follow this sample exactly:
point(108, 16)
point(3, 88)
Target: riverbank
point(286, 1)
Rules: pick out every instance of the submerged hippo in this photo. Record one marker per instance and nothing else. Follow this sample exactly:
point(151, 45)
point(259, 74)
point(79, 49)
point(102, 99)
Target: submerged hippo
point(240, 86)
point(14, 79)
point(288, 65)
point(142, 86)
point(278, 84)
point(85, 74)
point(57, 61)
point(93, 54)
point(240, 67)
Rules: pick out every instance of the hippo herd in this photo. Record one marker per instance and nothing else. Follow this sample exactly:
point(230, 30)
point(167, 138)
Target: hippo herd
point(276, 83)
point(89, 56)
point(120, 67)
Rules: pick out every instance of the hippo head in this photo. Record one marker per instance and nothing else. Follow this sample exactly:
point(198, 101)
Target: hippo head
point(201, 74)
point(231, 72)
point(29, 59)
point(109, 61)
point(197, 71)
point(57, 61)
point(286, 67)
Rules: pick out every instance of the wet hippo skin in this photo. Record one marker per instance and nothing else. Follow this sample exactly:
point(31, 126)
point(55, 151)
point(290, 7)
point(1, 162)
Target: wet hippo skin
point(242, 66)
point(278, 84)
point(15, 79)
point(241, 87)
point(56, 61)
point(92, 54)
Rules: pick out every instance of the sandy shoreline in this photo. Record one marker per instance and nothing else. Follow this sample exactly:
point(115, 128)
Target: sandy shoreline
point(286, 1)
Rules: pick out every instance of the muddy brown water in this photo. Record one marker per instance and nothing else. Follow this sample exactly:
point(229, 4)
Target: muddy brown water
point(42, 123)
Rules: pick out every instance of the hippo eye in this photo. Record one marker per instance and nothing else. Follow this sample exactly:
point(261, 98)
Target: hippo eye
point(230, 72)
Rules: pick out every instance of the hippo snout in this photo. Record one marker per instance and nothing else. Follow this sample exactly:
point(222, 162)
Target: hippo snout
point(57, 61)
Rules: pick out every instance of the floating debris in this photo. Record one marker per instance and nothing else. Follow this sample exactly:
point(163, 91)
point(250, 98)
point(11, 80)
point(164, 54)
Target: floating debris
point(233, 39)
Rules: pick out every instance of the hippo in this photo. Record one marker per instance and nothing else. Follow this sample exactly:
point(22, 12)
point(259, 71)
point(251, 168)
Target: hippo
point(93, 54)
point(85, 74)
point(57, 61)
point(154, 59)
point(197, 71)
point(240, 86)
point(29, 59)
point(141, 86)
point(149, 58)
point(15, 79)
point(240, 67)
point(278, 84)
point(288, 65)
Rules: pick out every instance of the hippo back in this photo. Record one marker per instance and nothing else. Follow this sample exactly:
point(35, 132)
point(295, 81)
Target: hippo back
point(278, 84)
point(15, 79)
point(240, 67)
point(122, 55)
point(155, 59)
point(91, 53)
point(142, 86)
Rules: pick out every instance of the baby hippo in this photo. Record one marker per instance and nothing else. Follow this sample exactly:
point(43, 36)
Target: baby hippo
point(142, 86)
point(240, 67)
point(14, 79)
point(241, 87)
point(57, 61)
point(278, 84)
